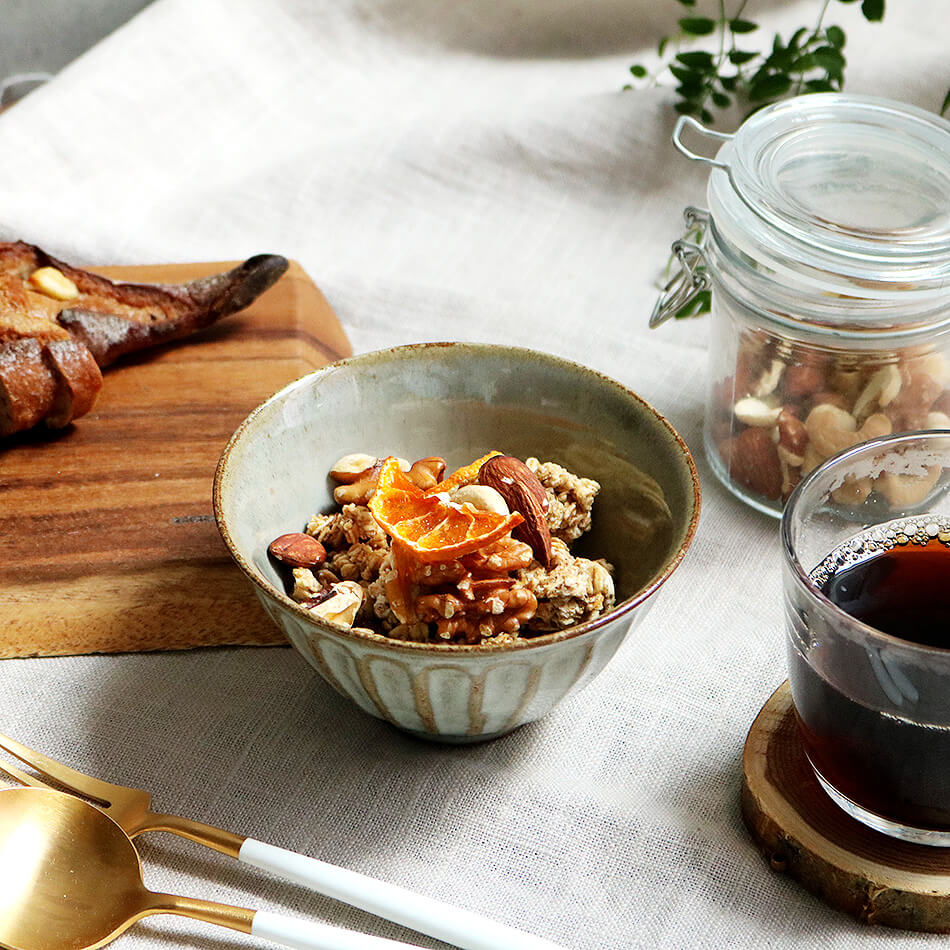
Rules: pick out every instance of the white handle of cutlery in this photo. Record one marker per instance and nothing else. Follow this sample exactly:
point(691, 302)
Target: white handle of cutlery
point(456, 926)
point(311, 935)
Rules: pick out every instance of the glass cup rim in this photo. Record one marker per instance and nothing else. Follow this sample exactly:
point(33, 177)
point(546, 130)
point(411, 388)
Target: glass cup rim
point(801, 575)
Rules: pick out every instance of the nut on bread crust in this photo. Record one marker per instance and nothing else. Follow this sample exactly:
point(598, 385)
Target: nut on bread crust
point(59, 324)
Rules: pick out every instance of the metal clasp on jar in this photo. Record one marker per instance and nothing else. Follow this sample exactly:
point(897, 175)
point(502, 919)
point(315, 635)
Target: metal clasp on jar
point(692, 277)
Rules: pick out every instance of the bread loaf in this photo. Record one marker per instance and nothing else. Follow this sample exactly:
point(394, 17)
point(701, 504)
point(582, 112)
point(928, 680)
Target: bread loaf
point(59, 324)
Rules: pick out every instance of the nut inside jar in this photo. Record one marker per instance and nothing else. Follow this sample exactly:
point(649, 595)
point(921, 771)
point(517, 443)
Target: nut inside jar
point(481, 555)
point(781, 409)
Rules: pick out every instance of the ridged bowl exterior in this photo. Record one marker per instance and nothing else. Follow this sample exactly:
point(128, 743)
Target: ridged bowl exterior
point(461, 698)
point(460, 400)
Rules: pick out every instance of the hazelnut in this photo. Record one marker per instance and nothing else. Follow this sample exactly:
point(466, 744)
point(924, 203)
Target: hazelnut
point(426, 472)
point(349, 468)
point(802, 380)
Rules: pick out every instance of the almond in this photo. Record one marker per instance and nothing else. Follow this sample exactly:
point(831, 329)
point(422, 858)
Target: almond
point(298, 550)
point(524, 493)
point(753, 462)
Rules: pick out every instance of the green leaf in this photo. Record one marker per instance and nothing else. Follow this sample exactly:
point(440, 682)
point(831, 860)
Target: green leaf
point(737, 56)
point(835, 36)
point(707, 117)
point(742, 26)
point(701, 303)
point(661, 47)
point(690, 90)
point(830, 60)
point(728, 82)
point(872, 9)
point(688, 3)
point(686, 108)
point(946, 103)
point(686, 75)
point(639, 71)
point(697, 60)
point(797, 37)
point(697, 25)
point(803, 63)
point(770, 87)
point(721, 100)
point(819, 85)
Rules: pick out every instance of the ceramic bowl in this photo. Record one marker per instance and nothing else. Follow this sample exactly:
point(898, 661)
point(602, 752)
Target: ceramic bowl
point(460, 401)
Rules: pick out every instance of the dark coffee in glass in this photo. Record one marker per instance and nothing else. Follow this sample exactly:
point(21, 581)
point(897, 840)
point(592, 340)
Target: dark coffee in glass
point(889, 764)
point(867, 596)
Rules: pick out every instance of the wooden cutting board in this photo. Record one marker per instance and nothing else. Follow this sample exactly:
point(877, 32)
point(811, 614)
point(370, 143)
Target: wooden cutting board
point(107, 538)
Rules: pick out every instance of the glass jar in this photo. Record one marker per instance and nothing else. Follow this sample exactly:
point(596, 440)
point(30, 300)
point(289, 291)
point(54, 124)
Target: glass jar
point(827, 249)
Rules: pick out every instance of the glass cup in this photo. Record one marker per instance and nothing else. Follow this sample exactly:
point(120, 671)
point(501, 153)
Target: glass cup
point(873, 709)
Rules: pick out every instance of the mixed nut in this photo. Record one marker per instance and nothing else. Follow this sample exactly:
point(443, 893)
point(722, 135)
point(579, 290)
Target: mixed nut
point(479, 555)
point(786, 408)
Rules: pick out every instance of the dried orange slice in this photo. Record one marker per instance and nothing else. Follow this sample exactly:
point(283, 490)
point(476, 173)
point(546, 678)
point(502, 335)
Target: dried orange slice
point(429, 525)
point(461, 476)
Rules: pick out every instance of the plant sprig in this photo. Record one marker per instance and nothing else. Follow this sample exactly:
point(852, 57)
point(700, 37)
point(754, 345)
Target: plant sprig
point(810, 60)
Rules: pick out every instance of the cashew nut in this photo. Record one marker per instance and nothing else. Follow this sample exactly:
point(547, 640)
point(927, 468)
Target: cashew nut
point(935, 366)
point(874, 427)
point(482, 497)
point(830, 429)
point(853, 491)
point(905, 491)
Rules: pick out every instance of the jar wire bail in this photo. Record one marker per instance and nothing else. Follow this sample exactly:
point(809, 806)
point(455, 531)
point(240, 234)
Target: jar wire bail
point(690, 279)
point(681, 124)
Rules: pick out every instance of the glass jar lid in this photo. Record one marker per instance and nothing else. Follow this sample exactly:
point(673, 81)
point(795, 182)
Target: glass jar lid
point(839, 195)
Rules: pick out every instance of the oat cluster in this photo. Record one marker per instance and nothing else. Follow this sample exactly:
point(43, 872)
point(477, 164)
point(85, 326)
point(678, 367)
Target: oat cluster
point(498, 593)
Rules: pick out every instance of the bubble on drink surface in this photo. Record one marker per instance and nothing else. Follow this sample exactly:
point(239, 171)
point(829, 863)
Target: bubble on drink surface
point(883, 537)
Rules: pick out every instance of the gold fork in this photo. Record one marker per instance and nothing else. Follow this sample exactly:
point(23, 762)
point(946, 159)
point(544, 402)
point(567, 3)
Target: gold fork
point(131, 809)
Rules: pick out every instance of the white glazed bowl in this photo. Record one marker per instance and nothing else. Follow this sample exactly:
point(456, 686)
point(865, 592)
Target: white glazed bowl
point(460, 401)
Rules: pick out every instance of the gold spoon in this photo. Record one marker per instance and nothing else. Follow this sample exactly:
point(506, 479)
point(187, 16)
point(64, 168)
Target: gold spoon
point(70, 879)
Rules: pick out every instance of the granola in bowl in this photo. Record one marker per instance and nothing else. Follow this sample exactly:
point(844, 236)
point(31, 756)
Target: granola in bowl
point(478, 556)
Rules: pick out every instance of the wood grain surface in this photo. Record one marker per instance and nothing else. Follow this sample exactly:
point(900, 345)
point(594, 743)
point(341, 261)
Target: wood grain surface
point(107, 539)
point(802, 833)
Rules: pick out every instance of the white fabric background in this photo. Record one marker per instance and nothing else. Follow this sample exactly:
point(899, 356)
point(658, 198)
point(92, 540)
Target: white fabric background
point(443, 171)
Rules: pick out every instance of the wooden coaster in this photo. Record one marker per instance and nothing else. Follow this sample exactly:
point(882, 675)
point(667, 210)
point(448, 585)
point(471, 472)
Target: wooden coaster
point(801, 832)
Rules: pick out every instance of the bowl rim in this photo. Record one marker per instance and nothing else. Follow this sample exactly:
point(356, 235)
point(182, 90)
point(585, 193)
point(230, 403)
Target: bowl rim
point(443, 649)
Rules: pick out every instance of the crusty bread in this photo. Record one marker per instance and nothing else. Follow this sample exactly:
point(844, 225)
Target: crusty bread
point(59, 324)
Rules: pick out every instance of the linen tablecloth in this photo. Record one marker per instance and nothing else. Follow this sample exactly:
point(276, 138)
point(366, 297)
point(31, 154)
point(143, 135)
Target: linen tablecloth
point(443, 171)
